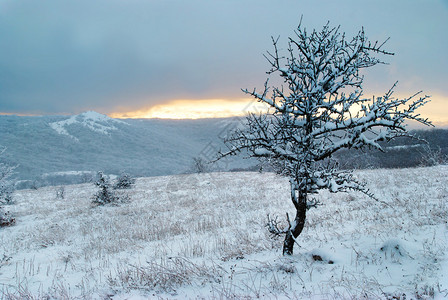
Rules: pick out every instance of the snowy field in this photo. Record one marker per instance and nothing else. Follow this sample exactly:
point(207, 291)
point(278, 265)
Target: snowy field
point(204, 236)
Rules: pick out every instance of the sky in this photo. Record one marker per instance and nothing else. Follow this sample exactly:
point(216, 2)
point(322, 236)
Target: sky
point(190, 59)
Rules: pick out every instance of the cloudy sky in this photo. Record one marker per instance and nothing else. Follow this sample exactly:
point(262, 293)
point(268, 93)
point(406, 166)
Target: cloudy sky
point(162, 57)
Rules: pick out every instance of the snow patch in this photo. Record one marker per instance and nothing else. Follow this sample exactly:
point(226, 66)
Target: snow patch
point(402, 147)
point(92, 120)
point(394, 247)
point(68, 173)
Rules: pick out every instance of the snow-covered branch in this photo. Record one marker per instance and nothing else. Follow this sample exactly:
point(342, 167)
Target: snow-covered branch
point(320, 111)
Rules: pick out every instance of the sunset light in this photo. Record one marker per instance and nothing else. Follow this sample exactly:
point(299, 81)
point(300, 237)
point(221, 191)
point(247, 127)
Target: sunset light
point(222, 108)
point(194, 109)
point(436, 110)
point(223, 149)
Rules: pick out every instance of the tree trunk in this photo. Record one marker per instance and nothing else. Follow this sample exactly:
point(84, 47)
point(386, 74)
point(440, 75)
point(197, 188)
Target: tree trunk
point(297, 225)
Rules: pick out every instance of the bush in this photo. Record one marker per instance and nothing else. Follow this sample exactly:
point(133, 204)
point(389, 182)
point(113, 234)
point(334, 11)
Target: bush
point(433, 157)
point(125, 181)
point(6, 185)
point(105, 195)
point(5, 218)
point(6, 191)
point(200, 165)
point(60, 192)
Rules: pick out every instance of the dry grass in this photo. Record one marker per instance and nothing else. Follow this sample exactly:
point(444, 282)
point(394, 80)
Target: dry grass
point(208, 231)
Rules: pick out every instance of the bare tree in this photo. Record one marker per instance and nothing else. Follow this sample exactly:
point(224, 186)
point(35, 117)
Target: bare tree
point(200, 165)
point(319, 110)
point(432, 157)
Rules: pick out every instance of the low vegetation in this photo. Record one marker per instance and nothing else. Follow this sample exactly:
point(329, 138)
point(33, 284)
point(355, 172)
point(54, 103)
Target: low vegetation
point(124, 181)
point(204, 235)
point(105, 195)
point(5, 218)
point(6, 193)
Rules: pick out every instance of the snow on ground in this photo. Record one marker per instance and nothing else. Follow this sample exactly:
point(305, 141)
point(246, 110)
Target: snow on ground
point(203, 236)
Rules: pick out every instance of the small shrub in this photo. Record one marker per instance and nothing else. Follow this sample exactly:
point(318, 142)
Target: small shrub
point(200, 165)
point(6, 185)
point(433, 157)
point(35, 185)
point(60, 192)
point(125, 181)
point(5, 218)
point(6, 191)
point(105, 195)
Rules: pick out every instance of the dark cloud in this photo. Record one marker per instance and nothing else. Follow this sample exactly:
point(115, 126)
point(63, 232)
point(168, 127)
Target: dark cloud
point(69, 56)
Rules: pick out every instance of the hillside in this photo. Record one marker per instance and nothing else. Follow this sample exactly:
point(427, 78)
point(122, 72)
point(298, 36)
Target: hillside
point(53, 149)
point(204, 236)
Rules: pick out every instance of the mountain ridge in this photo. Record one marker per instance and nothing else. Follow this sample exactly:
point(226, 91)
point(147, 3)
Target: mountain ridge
point(90, 119)
point(91, 142)
point(55, 150)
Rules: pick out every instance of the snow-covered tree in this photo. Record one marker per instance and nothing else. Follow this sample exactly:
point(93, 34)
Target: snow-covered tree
point(319, 110)
point(6, 219)
point(124, 181)
point(6, 190)
point(105, 195)
point(6, 185)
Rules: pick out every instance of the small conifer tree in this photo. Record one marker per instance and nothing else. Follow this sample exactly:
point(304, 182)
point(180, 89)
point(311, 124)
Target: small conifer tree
point(105, 195)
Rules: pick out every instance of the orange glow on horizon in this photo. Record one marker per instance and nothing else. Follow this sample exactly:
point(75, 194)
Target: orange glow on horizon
point(436, 110)
point(18, 114)
point(194, 109)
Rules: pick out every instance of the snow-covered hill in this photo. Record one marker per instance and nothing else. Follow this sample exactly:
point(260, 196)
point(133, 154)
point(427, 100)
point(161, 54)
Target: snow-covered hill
point(45, 147)
point(66, 149)
point(91, 120)
point(204, 237)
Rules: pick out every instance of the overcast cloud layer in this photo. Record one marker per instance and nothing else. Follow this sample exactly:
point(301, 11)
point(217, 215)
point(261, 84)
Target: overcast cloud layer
point(108, 55)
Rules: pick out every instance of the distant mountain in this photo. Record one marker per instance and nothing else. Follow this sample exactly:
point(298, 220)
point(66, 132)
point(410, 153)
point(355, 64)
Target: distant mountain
point(70, 149)
point(91, 120)
point(55, 149)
